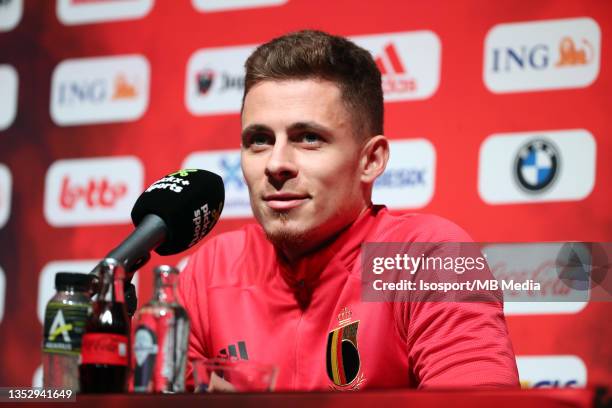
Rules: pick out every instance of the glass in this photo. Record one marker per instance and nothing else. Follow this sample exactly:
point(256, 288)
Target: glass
point(231, 375)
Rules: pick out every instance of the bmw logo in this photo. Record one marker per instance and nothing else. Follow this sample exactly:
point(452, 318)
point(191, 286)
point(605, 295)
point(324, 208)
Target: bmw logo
point(536, 165)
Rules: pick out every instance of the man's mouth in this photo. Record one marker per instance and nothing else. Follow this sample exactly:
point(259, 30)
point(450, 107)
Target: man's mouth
point(285, 201)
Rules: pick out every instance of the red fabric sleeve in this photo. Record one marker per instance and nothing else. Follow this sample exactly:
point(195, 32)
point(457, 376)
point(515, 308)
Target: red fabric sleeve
point(453, 344)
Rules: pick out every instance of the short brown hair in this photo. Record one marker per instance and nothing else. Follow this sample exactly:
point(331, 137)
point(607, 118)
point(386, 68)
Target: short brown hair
point(314, 54)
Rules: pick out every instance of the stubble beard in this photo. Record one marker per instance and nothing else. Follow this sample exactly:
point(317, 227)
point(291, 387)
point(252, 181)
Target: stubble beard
point(285, 238)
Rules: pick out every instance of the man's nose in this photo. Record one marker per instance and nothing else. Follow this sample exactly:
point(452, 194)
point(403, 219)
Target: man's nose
point(281, 165)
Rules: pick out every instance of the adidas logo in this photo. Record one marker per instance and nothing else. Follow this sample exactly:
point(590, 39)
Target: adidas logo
point(235, 351)
point(395, 78)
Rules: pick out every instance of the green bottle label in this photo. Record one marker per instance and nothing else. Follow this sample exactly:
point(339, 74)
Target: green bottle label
point(64, 328)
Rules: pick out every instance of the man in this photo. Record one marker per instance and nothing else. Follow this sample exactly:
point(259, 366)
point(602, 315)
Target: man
point(287, 290)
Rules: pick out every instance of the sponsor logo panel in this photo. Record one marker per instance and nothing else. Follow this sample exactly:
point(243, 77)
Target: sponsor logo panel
point(8, 96)
point(71, 12)
point(100, 90)
point(226, 163)
point(537, 166)
point(538, 262)
point(215, 80)
point(2, 293)
point(551, 371)
point(409, 63)
point(6, 186)
point(10, 14)
point(92, 191)
point(542, 55)
point(409, 179)
point(221, 5)
point(46, 280)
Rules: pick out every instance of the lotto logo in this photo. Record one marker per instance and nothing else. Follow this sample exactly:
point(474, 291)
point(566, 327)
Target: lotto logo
point(100, 90)
point(92, 191)
point(542, 55)
point(6, 185)
point(72, 12)
point(221, 5)
point(8, 95)
point(409, 63)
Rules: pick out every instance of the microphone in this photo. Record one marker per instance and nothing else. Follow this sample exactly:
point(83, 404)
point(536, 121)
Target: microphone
point(171, 215)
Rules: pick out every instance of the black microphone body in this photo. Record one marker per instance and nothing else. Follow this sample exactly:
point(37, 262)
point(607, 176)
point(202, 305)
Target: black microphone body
point(170, 216)
point(133, 252)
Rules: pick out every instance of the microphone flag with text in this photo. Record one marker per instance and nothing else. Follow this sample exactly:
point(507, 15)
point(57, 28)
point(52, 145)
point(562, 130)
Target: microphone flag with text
point(171, 215)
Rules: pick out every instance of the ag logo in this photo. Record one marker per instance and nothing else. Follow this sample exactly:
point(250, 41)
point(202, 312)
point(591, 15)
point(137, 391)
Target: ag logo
point(536, 165)
point(342, 360)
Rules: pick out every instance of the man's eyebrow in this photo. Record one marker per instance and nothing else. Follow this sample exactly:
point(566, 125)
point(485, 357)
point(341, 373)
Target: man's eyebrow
point(313, 126)
point(253, 129)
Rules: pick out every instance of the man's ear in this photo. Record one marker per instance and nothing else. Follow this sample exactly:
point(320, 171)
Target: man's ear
point(374, 158)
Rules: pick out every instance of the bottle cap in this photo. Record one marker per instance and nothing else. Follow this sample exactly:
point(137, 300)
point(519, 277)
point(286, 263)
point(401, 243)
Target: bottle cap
point(165, 270)
point(80, 281)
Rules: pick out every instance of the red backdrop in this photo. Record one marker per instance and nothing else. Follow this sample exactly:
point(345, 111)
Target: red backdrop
point(456, 112)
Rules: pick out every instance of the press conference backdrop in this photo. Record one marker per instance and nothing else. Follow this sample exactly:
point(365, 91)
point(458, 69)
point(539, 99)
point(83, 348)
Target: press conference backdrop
point(497, 112)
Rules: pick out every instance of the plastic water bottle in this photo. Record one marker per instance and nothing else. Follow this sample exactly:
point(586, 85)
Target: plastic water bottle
point(64, 325)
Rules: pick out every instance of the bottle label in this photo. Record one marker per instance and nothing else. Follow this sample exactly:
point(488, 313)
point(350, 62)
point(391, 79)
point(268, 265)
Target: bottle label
point(145, 356)
point(64, 327)
point(104, 348)
point(159, 351)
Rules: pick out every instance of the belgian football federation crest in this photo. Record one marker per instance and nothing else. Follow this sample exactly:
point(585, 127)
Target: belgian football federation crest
point(343, 362)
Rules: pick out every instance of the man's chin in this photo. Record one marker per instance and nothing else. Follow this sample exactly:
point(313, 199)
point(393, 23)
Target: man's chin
point(286, 239)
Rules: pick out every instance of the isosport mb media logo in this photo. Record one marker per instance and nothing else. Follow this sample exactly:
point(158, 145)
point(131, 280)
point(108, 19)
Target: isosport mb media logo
point(92, 191)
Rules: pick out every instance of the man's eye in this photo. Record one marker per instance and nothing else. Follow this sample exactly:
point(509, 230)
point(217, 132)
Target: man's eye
point(260, 139)
point(310, 138)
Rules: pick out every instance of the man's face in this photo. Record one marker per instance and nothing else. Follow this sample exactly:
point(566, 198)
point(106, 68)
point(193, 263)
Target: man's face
point(301, 162)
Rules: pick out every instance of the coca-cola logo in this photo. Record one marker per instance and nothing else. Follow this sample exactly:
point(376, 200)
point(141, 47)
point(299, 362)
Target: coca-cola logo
point(95, 193)
point(545, 273)
point(92, 191)
point(102, 344)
